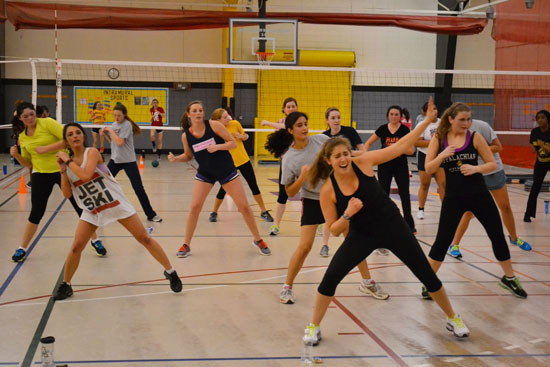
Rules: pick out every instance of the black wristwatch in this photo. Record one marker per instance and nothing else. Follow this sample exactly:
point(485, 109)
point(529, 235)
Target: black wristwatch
point(345, 216)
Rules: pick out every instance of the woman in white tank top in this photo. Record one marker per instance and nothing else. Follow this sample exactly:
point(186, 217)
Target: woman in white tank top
point(102, 201)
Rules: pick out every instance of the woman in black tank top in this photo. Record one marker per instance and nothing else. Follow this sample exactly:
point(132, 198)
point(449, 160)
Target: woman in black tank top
point(210, 142)
point(354, 200)
point(456, 149)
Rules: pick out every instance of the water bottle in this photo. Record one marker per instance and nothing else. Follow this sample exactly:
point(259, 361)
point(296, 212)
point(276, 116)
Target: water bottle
point(150, 230)
point(545, 206)
point(12, 161)
point(46, 348)
point(307, 352)
point(5, 169)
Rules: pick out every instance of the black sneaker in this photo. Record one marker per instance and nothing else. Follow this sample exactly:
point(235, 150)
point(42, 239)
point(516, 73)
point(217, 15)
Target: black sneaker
point(19, 255)
point(175, 281)
point(426, 294)
point(63, 291)
point(98, 248)
point(213, 217)
point(527, 218)
point(266, 216)
point(513, 286)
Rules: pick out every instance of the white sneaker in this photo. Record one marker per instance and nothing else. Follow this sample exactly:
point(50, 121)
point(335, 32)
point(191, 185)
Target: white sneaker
point(420, 214)
point(382, 251)
point(457, 327)
point(314, 336)
point(320, 229)
point(286, 296)
point(373, 289)
point(274, 230)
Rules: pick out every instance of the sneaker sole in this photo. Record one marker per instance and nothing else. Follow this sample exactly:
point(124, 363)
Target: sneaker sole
point(97, 253)
point(19, 261)
point(504, 286)
point(260, 250)
point(286, 301)
point(456, 257)
point(182, 256)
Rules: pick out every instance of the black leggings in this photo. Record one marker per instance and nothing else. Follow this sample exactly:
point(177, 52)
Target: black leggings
point(283, 196)
point(394, 235)
point(539, 172)
point(401, 173)
point(132, 172)
point(485, 210)
point(248, 173)
point(42, 186)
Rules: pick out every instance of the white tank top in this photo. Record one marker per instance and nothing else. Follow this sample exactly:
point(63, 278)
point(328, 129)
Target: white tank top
point(101, 197)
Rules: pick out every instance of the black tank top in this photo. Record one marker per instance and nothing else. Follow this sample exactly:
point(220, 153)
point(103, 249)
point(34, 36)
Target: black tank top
point(215, 165)
point(377, 209)
point(456, 183)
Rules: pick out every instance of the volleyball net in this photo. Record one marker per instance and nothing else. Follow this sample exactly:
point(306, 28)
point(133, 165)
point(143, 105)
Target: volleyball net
point(71, 89)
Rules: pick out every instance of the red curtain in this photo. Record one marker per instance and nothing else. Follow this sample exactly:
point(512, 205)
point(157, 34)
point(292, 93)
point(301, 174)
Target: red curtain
point(522, 44)
point(41, 16)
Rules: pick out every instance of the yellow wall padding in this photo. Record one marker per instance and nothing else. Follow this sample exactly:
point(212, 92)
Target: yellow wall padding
point(318, 58)
point(315, 91)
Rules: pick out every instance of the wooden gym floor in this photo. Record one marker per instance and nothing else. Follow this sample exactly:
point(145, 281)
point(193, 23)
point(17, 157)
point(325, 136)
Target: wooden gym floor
point(123, 313)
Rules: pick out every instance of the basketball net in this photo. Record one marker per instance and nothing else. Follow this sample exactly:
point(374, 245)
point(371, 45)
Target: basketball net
point(264, 58)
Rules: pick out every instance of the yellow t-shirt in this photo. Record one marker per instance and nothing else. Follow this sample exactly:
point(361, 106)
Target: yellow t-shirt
point(99, 117)
point(48, 131)
point(239, 154)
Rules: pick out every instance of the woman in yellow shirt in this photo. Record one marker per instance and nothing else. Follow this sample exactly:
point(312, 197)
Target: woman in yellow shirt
point(40, 139)
point(242, 163)
point(98, 117)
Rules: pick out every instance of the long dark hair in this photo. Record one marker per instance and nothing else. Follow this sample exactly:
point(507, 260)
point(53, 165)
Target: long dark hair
point(185, 122)
point(394, 107)
point(320, 169)
point(17, 125)
point(71, 153)
point(279, 141)
point(445, 124)
point(545, 113)
point(122, 108)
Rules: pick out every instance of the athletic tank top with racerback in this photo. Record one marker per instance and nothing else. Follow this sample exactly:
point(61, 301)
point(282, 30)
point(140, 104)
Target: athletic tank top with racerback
point(456, 183)
point(217, 164)
point(377, 209)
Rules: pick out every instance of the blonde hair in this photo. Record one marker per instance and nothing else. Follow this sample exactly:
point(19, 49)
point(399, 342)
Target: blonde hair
point(217, 114)
point(320, 170)
point(445, 124)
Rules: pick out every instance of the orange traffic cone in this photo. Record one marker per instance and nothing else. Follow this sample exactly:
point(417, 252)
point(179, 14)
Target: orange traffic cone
point(22, 186)
point(141, 165)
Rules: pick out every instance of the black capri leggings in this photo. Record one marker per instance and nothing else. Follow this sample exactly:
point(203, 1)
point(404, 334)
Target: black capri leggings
point(132, 171)
point(393, 235)
point(539, 172)
point(42, 186)
point(484, 208)
point(283, 196)
point(248, 173)
point(401, 173)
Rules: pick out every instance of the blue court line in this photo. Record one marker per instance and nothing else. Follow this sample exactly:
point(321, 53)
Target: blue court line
point(29, 250)
point(163, 360)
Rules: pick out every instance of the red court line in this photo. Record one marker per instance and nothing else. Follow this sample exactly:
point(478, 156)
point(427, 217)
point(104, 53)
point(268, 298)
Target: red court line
point(515, 271)
point(540, 253)
point(153, 281)
point(351, 333)
point(373, 336)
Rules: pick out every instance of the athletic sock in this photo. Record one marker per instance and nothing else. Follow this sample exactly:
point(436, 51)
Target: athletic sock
point(368, 281)
point(287, 286)
point(419, 208)
point(511, 278)
point(171, 271)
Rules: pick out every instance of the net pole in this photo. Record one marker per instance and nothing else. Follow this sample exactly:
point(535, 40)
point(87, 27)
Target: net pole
point(34, 85)
point(58, 83)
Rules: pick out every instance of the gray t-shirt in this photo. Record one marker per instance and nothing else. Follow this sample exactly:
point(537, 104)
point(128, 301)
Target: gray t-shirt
point(293, 161)
point(485, 130)
point(126, 152)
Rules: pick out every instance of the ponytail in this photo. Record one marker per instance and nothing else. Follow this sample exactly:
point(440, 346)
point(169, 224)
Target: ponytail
point(279, 141)
point(320, 170)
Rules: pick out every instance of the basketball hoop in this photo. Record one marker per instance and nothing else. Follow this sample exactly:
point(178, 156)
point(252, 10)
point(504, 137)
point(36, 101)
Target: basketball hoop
point(264, 58)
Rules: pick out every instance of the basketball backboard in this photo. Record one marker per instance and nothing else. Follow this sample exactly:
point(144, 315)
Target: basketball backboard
point(247, 37)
